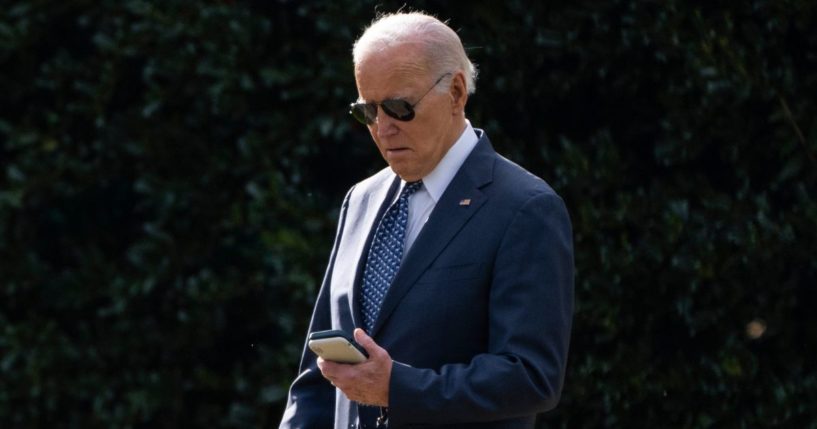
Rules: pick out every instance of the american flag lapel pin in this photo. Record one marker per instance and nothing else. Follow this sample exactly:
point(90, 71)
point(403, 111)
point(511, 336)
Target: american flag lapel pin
point(465, 202)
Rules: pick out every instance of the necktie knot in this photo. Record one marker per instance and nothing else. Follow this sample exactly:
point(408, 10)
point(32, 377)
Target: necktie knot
point(410, 188)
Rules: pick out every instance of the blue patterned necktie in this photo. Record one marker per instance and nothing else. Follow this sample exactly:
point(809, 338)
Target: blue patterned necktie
point(385, 255)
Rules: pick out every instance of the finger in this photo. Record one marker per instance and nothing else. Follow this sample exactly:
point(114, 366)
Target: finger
point(328, 368)
point(367, 342)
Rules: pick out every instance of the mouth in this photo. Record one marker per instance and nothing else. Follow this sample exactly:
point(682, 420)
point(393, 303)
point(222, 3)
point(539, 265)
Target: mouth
point(397, 150)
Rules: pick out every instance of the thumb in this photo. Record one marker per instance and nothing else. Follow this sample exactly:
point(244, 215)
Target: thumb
point(366, 342)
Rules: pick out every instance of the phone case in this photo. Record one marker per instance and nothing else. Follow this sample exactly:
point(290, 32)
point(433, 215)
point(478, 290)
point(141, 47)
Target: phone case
point(336, 346)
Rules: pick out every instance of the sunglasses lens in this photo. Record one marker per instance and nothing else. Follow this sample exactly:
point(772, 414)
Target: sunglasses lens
point(364, 113)
point(398, 109)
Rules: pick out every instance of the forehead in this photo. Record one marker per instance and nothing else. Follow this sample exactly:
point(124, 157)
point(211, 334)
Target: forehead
point(391, 73)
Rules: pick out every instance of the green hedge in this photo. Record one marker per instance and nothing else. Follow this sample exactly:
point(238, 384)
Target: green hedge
point(171, 172)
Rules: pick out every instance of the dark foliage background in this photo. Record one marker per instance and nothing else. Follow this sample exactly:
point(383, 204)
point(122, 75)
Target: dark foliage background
point(170, 174)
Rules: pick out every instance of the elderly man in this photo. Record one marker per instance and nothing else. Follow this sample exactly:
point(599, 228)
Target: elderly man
point(453, 267)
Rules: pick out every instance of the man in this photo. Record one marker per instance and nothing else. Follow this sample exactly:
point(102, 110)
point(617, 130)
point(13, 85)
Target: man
point(453, 267)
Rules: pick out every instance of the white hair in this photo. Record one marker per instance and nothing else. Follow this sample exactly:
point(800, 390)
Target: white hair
point(443, 49)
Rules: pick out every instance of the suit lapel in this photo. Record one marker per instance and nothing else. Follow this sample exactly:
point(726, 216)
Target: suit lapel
point(461, 200)
point(359, 232)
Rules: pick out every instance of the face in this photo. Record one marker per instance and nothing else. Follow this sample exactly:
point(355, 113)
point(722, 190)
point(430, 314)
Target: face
point(411, 148)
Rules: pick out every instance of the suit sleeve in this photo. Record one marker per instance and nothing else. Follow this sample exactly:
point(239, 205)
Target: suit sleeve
point(311, 400)
point(531, 308)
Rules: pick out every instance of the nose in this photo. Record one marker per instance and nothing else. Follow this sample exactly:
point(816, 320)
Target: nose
point(384, 125)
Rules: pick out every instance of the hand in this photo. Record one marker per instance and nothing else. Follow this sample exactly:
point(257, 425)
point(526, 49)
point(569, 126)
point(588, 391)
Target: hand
point(366, 382)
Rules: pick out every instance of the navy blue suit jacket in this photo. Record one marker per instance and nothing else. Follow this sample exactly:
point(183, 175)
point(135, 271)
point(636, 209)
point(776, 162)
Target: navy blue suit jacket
point(477, 319)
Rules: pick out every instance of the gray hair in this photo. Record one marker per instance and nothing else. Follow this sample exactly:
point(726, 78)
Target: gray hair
point(443, 48)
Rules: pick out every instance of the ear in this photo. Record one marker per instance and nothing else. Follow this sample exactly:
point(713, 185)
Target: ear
point(458, 93)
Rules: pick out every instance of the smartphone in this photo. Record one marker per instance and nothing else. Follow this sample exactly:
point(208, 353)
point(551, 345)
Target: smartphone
point(337, 346)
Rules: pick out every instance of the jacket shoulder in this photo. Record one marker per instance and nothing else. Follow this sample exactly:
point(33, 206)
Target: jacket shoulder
point(383, 177)
point(517, 183)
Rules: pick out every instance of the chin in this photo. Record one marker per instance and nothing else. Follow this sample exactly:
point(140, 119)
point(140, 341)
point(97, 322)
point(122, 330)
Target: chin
point(403, 174)
point(409, 177)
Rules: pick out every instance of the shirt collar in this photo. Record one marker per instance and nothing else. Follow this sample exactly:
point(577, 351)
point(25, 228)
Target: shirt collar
point(437, 181)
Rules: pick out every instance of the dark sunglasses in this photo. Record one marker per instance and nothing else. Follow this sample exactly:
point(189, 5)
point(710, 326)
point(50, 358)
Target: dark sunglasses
point(397, 108)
